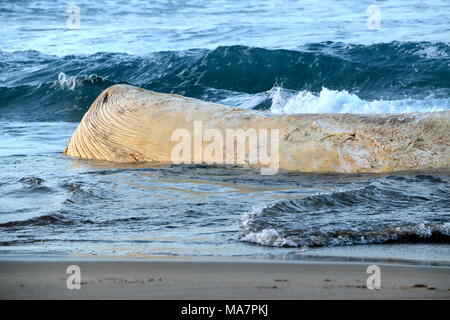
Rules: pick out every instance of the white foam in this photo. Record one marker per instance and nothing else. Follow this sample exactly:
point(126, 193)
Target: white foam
point(265, 237)
point(268, 237)
point(431, 51)
point(69, 82)
point(72, 82)
point(332, 101)
point(445, 228)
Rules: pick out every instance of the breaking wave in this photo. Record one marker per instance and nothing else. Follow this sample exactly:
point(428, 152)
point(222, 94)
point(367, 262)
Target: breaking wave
point(319, 77)
point(333, 101)
point(374, 214)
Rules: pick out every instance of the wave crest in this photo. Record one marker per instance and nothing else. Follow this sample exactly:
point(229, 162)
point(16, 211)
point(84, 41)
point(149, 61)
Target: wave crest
point(319, 77)
point(378, 213)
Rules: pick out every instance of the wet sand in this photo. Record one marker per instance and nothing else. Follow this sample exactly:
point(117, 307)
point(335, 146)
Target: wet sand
point(180, 279)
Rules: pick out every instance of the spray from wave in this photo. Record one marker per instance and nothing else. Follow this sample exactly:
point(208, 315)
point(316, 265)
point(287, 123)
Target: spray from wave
point(334, 101)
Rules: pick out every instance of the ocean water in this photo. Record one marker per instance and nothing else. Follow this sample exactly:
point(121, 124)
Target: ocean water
point(282, 56)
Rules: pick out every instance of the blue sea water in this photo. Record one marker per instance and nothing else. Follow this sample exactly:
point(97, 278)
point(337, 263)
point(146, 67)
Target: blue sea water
point(283, 56)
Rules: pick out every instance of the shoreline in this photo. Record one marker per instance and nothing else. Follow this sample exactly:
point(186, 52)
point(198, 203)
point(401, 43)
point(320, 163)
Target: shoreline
point(274, 258)
point(419, 254)
point(218, 279)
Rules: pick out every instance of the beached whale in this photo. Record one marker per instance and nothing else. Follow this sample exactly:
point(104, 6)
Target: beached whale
point(130, 124)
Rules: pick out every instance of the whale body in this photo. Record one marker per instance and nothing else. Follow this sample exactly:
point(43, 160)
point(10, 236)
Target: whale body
point(130, 124)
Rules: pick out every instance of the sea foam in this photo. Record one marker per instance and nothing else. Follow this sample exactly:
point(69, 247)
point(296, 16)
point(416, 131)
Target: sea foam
point(333, 101)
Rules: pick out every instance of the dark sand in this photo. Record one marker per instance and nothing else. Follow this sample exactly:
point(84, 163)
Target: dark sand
point(181, 279)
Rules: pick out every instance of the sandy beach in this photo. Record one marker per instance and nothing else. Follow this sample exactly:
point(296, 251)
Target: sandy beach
point(180, 279)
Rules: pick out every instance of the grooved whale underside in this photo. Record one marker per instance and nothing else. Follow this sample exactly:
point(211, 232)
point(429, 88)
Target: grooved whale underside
point(130, 124)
